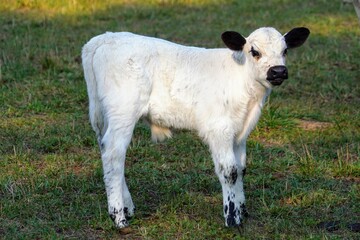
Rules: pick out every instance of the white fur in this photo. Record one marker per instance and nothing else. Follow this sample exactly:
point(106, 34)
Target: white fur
point(217, 92)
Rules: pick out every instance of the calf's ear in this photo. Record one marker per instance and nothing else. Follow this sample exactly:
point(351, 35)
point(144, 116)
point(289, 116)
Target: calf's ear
point(296, 37)
point(233, 40)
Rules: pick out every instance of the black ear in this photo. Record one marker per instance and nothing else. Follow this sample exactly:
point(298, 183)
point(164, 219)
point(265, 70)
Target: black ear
point(233, 40)
point(296, 37)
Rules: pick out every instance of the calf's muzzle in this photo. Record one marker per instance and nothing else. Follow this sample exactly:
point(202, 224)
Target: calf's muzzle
point(277, 74)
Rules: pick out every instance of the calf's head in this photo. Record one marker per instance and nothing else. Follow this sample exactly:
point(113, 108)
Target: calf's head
point(265, 50)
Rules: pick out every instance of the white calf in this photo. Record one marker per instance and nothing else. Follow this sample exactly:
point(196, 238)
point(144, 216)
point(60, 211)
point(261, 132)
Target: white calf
point(217, 92)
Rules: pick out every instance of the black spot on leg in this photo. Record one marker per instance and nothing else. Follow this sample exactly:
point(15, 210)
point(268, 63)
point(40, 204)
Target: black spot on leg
point(231, 207)
point(117, 211)
point(126, 211)
point(112, 216)
point(231, 216)
point(226, 208)
point(114, 213)
point(232, 177)
point(244, 172)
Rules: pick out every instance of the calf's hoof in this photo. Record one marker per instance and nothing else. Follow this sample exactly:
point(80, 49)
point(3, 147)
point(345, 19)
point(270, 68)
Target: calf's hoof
point(121, 217)
point(233, 221)
point(119, 222)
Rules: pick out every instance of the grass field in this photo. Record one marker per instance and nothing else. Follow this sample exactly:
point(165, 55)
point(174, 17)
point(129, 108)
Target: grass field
point(303, 178)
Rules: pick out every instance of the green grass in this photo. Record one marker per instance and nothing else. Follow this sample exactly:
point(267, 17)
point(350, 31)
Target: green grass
point(303, 157)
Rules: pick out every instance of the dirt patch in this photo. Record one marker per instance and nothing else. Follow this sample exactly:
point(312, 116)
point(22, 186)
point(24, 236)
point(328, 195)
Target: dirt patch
point(310, 125)
point(349, 179)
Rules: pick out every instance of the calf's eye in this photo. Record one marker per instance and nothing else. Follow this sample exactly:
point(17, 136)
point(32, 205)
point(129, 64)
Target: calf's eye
point(285, 52)
point(255, 53)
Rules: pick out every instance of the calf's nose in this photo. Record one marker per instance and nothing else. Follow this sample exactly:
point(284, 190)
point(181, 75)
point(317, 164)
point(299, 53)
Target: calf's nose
point(277, 74)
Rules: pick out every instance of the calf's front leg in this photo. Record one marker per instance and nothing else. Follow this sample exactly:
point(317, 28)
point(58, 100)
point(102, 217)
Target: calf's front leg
point(240, 156)
point(230, 169)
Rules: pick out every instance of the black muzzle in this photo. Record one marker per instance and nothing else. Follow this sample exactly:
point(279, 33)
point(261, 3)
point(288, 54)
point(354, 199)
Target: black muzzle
point(277, 74)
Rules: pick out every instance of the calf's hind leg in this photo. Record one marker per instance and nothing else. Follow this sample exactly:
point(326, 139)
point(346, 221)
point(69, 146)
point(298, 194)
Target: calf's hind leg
point(113, 150)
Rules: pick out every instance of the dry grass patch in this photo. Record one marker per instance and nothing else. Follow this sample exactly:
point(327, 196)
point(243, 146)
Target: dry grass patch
point(312, 125)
